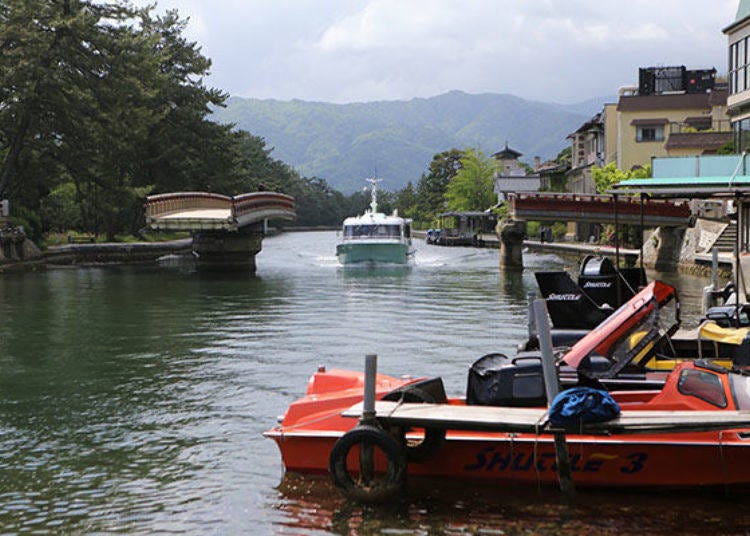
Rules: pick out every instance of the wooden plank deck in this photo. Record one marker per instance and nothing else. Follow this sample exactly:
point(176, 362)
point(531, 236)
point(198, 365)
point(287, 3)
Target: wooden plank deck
point(534, 420)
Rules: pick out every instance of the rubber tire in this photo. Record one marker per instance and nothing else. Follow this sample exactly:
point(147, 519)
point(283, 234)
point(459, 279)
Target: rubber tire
point(395, 476)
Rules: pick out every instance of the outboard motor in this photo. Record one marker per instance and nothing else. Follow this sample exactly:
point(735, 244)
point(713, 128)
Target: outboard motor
point(575, 308)
point(599, 279)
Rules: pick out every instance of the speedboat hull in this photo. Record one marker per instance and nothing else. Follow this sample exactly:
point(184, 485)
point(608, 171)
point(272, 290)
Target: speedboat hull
point(314, 424)
point(704, 459)
point(353, 252)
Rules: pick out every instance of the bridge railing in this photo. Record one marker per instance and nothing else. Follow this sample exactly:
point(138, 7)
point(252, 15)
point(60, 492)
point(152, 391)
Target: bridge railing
point(245, 203)
point(538, 201)
point(163, 204)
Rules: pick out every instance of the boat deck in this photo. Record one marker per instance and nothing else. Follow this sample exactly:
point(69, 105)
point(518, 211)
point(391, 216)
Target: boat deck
point(534, 420)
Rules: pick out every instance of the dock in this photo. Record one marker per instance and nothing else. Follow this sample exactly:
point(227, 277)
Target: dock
point(535, 421)
point(630, 256)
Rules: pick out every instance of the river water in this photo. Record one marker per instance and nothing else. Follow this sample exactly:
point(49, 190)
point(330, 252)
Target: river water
point(132, 399)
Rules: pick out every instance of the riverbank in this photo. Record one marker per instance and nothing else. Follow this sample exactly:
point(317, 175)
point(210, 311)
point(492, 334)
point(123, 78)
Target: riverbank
point(115, 252)
point(698, 264)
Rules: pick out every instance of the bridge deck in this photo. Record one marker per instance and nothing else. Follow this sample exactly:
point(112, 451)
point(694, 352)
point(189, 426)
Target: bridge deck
point(200, 211)
point(205, 214)
point(597, 209)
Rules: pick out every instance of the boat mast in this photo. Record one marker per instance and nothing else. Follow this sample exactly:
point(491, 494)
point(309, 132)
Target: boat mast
point(374, 194)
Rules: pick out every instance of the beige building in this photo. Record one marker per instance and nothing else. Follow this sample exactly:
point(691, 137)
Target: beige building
point(667, 124)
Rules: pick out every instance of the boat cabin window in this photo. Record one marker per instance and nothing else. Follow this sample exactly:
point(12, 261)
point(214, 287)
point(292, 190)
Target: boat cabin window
point(740, 390)
point(704, 385)
point(376, 231)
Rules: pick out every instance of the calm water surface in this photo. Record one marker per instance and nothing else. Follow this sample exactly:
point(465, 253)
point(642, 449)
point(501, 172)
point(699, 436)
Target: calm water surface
point(132, 399)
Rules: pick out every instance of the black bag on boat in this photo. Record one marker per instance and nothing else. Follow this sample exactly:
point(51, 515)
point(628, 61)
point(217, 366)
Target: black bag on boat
point(498, 380)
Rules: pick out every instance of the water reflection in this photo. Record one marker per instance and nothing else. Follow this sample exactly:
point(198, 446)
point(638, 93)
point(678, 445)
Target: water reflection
point(133, 398)
point(308, 504)
point(347, 273)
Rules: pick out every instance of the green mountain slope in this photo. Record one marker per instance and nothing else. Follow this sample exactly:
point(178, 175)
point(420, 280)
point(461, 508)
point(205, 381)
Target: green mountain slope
point(395, 140)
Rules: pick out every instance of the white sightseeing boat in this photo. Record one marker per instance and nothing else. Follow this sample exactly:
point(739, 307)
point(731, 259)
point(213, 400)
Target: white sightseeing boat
point(374, 237)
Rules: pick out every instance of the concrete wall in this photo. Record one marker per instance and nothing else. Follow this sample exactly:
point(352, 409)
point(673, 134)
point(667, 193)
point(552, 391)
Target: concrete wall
point(116, 253)
point(610, 133)
point(671, 249)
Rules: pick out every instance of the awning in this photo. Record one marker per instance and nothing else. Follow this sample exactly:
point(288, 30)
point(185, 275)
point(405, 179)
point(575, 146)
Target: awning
point(686, 187)
point(656, 121)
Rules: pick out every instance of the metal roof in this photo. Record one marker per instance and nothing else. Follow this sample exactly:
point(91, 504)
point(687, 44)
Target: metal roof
point(743, 13)
point(686, 187)
point(471, 214)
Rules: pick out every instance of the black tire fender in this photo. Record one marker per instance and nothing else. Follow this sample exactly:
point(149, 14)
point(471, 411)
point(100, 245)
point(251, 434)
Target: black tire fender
point(392, 482)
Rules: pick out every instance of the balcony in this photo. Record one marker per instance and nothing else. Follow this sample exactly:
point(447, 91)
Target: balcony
point(700, 166)
point(700, 124)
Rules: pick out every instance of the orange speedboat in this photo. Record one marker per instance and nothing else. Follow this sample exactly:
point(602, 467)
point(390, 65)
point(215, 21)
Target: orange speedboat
point(694, 431)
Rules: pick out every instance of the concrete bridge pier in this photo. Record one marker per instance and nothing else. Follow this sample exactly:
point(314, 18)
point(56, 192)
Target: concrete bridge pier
point(511, 234)
point(663, 249)
point(228, 251)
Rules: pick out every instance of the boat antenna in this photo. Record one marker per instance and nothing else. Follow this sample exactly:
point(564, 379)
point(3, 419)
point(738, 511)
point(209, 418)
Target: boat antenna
point(374, 194)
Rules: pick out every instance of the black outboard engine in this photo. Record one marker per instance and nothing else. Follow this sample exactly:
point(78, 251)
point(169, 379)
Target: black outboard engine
point(599, 280)
point(600, 290)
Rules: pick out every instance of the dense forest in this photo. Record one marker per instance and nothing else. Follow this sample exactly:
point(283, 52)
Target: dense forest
point(103, 103)
point(397, 139)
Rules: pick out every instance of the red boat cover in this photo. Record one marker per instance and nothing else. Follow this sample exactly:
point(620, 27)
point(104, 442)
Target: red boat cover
point(602, 338)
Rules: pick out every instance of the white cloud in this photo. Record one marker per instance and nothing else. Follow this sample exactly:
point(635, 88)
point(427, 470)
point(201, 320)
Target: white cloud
point(353, 50)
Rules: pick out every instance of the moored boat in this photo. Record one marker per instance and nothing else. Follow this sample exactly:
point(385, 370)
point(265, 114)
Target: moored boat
point(314, 424)
point(374, 237)
point(693, 432)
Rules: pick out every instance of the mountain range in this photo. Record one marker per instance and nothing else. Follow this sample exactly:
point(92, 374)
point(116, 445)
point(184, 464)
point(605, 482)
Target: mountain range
point(396, 140)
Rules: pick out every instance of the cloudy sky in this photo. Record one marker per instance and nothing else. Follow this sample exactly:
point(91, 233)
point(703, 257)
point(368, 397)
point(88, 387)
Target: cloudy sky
point(364, 50)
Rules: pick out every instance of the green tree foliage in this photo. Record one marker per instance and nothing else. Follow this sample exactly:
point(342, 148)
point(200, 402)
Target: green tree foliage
point(609, 175)
point(432, 186)
point(110, 99)
point(425, 201)
point(102, 103)
point(727, 148)
point(59, 210)
point(407, 201)
point(564, 157)
point(472, 188)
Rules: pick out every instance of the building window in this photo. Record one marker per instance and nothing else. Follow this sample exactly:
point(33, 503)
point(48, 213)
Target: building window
point(650, 133)
point(739, 66)
point(741, 135)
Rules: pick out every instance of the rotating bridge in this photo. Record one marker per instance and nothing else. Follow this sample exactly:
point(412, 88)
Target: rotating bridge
point(227, 231)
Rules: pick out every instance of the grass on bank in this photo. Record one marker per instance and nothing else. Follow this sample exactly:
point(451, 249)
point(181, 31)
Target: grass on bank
point(75, 237)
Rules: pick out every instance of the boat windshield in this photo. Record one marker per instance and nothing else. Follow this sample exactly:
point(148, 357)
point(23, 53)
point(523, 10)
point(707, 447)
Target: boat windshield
point(376, 231)
point(704, 385)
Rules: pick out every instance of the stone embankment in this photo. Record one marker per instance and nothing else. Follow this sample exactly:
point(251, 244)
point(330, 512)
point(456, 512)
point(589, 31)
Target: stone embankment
point(115, 253)
point(667, 250)
point(16, 249)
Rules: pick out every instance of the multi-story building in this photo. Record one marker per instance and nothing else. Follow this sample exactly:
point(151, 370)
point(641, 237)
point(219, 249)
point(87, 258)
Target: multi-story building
point(738, 102)
point(587, 150)
point(672, 112)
